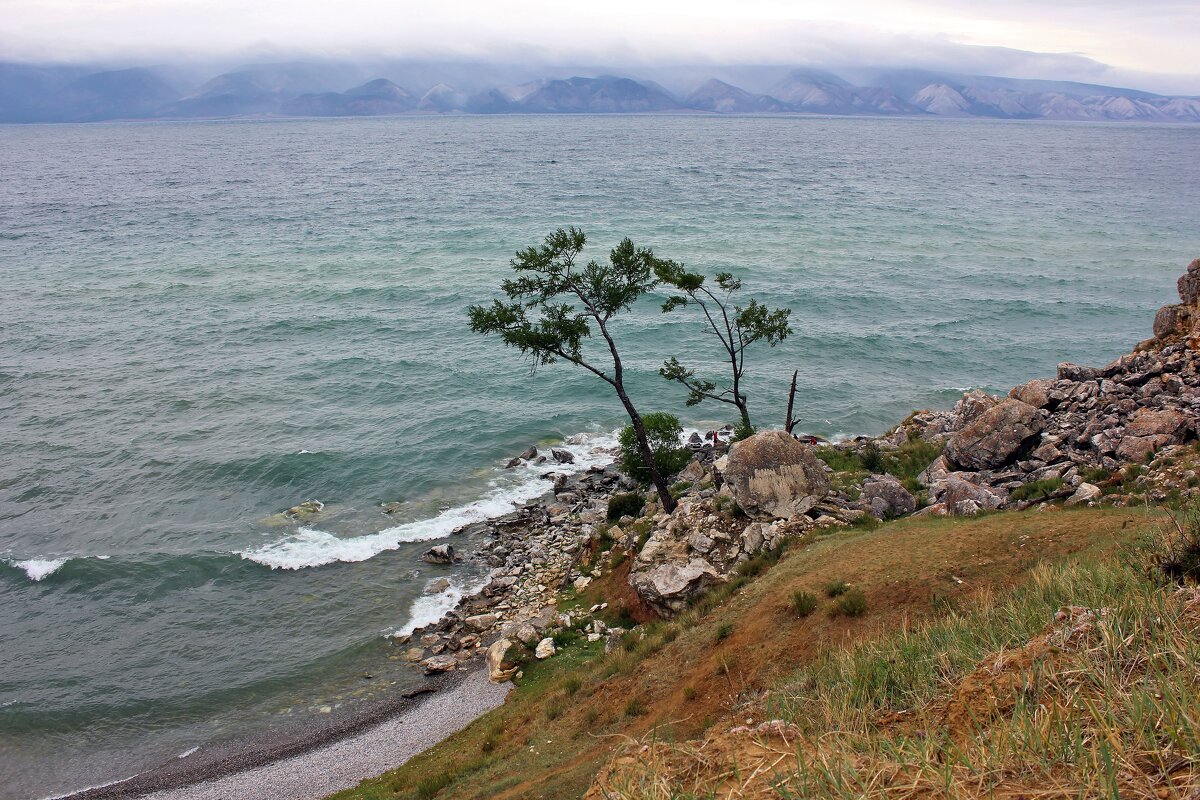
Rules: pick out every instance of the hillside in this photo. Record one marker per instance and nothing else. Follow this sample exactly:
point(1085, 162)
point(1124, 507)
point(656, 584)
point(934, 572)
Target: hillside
point(674, 703)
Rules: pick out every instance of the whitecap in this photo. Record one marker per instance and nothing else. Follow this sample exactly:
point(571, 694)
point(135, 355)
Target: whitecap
point(429, 608)
point(39, 568)
point(310, 547)
point(187, 753)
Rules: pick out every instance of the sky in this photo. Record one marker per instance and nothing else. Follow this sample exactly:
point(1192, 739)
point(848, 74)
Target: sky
point(1143, 43)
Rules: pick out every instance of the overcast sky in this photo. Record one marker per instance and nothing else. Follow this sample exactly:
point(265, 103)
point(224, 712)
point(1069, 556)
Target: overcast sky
point(1149, 43)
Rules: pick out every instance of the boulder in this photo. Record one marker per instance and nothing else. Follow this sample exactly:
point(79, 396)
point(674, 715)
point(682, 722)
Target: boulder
point(769, 471)
point(545, 648)
point(886, 497)
point(1036, 393)
point(1189, 284)
point(529, 454)
point(670, 587)
point(442, 663)
point(562, 456)
point(937, 470)
point(954, 489)
point(1074, 372)
point(1169, 423)
point(694, 472)
point(996, 436)
point(1086, 493)
point(970, 407)
point(438, 586)
point(439, 554)
point(481, 622)
point(501, 660)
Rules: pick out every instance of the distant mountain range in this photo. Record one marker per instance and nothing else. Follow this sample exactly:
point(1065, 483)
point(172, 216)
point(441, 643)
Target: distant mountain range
point(75, 94)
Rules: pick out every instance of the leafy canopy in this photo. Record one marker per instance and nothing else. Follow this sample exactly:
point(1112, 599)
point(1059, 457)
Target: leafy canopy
point(554, 302)
point(665, 435)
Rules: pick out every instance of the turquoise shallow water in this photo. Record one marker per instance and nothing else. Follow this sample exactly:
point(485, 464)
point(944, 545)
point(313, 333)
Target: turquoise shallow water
point(206, 323)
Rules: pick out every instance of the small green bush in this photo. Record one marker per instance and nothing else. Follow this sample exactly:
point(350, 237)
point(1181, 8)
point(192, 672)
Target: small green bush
point(1038, 490)
point(665, 435)
point(689, 693)
point(837, 589)
point(804, 602)
point(572, 684)
point(635, 707)
point(620, 505)
point(724, 630)
point(851, 604)
point(428, 787)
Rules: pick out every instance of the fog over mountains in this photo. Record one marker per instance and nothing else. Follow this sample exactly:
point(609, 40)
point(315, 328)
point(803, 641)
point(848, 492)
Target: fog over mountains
point(40, 93)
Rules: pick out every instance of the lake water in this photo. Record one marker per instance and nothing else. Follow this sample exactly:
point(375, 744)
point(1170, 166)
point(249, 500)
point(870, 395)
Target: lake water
point(203, 324)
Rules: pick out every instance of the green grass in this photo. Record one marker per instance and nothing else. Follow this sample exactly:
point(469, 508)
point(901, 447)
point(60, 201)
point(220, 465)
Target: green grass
point(1039, 490)
point(724, 631)
point(836, 589)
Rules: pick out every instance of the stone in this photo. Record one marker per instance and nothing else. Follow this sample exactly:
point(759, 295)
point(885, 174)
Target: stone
point(971, 406)
point(438, 586)
point(768, 471)
point(443, 663)
point(1074, 372)
point(693, 472)
point(439, 554)
point(1086, 493)
point(413, 654)
point(513, 462)
point(1036, 393)
point(996, 436)
point(955, 489)
point(481, 622)
point(562, 456)
point(581, 583)
point(937, 470)
point(1155, 423)
point(545, 648)
point(501, 660)
point(893, 499)
point(1189, 284)
point(529, 454)
point(669, 588)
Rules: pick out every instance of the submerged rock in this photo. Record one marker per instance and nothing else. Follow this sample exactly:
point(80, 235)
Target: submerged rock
point(439, 554)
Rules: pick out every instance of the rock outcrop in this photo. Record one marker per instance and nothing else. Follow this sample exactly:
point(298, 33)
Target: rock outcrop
point(772, 475)
point(995, 437)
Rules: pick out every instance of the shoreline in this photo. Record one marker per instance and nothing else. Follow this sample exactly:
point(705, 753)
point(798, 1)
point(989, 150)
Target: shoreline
point(338, 756)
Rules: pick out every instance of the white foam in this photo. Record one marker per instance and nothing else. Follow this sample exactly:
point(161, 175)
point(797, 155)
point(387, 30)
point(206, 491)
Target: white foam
point(429, 608)
point(39, 568)
point(310, 547)
point(187, 753)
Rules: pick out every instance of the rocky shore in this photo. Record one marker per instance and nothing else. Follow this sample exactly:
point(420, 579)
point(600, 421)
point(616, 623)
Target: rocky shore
point(1117, 434)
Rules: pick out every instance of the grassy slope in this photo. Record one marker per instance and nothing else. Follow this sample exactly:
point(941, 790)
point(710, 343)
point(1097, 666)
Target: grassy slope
point(570, 714)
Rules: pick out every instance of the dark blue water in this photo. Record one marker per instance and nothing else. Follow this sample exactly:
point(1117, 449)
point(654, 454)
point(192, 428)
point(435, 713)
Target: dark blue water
point(204, 324)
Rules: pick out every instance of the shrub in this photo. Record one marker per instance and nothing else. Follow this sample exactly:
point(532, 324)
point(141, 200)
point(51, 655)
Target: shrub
point(872, 459)
point(620, 505)
point(804, 602)
point(430, 785)
point(635, 707)
point(742, 431)
point(1173, 552)
point(572, 684)
point(724, 630)
point(837, 589)
point(1038, 490)
point(665, 435)
point(851, 604)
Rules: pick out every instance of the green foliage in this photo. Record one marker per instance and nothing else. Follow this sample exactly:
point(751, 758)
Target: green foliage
point(804, 602)
point(664, 433)
point(628, 504)
point(428, 787)
point(742, 431)
point(872, 459)
point(837, 589)
point(736, 327)
point(851, 604)
point(572, 684)
point(635, 707)
point(724, 630)
point(1043, 489)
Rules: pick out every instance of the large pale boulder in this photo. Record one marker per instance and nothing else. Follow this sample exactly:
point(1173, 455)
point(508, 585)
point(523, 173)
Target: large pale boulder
point(670, 587)
point(501, 660)
point(1036, 393)
point(770, 474)
point(996, 436)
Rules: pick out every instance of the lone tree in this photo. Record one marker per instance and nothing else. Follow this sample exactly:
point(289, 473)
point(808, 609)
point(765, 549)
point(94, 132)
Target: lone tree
point(736, 327)
point(554, 304)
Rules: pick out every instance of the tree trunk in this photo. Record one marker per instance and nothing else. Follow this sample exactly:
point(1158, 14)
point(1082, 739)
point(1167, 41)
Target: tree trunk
point(639, 430)
point(790, 423)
